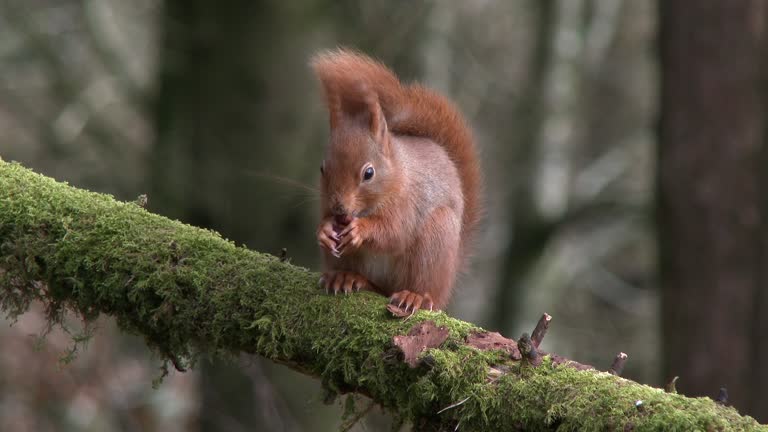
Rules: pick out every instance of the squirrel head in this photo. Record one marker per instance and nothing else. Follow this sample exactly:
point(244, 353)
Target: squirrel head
point(360, 168)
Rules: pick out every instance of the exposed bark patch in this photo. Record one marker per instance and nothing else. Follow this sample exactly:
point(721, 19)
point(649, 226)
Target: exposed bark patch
point(560, 360)
point(493, 341)
point(420, 337)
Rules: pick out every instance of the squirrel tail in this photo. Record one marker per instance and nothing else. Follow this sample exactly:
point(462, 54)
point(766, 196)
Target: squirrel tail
point(409, 110)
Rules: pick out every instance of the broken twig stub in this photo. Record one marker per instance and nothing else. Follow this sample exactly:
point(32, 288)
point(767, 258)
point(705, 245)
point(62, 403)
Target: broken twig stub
point(670, 387)
point(617, 367)
point(722, 396)
point(541, 329)
point(528, 351)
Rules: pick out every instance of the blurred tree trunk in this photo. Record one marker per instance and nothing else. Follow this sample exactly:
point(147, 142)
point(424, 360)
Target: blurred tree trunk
point(711, 199)
point(362, 24)
point(212, 118)
point(530, 231)
point(211, 114)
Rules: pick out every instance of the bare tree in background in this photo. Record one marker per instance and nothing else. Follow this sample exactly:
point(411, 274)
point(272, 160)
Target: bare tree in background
point(578, 183)
point(711, 199)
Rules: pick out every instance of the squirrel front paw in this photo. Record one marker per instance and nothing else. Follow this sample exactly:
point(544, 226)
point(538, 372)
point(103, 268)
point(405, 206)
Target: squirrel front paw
point(352, 236)
point(344, 282)
point(409, 300)
point(327, 237)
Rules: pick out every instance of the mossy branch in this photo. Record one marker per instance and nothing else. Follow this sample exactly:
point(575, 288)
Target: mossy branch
point(188, 291)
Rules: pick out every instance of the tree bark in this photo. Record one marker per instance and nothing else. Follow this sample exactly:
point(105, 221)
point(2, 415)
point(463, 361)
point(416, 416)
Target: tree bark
point(188, 291)
point(711, 194)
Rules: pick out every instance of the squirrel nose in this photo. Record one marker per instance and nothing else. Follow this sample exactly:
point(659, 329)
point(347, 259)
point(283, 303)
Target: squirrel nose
point(338, 209)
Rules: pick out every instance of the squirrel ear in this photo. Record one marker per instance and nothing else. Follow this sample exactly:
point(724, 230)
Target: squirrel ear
point(358, 104)
point(378, 123)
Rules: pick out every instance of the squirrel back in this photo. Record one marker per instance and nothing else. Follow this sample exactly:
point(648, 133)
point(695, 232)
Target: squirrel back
point(414, 110)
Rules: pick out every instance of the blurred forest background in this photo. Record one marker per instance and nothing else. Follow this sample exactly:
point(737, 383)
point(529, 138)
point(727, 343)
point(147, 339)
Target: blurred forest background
point(623, 146)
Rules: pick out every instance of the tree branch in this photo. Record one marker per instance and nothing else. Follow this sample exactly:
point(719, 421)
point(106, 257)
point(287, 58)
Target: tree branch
point(188, 291)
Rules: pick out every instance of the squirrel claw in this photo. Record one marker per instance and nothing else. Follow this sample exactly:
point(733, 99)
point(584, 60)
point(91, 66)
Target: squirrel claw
point(412, 301)
point(351, 237)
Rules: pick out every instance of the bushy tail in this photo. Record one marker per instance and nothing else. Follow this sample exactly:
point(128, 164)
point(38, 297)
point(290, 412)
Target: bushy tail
point(409, 110)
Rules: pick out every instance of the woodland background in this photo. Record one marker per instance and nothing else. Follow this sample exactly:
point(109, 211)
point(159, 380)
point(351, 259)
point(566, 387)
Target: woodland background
point(623, 146)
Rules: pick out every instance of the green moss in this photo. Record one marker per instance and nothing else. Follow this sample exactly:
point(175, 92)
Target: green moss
point(189, 292)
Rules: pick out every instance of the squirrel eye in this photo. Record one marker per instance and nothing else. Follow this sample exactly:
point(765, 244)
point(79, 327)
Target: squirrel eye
point(368, 173)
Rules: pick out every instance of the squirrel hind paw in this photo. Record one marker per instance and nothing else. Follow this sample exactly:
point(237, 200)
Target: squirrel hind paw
point(343, 282)
point(411, 301)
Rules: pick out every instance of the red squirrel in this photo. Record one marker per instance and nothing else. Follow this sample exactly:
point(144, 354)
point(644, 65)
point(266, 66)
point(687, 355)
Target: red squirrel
point(400, 188)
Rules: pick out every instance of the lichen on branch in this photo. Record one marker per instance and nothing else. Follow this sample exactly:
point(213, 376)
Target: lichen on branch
point(188, 291)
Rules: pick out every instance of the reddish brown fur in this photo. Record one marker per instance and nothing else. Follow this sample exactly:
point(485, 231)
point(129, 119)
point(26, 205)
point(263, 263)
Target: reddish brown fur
point(416, 218)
